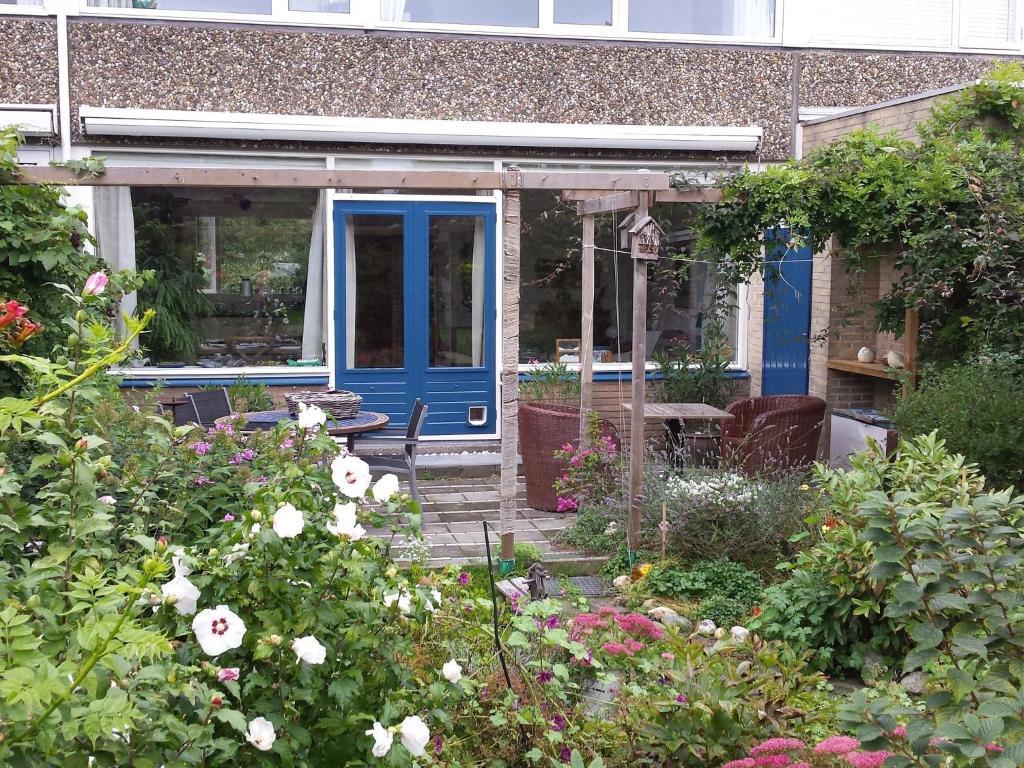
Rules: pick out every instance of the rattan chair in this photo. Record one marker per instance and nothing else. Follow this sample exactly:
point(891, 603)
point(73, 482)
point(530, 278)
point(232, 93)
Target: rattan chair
point(209, 405)
point(404, 465)
point(772, 434)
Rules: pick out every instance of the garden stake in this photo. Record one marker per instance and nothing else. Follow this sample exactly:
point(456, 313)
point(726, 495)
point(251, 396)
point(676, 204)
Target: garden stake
point(663, 528)
point(494, 609)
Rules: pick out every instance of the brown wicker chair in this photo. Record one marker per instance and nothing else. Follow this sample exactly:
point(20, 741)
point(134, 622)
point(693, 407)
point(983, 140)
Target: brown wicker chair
point(772, 434)
point(544, 429)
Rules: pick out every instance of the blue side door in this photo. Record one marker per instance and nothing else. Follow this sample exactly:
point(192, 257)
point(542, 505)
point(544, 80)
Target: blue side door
point(415, 310)
point(787, 315)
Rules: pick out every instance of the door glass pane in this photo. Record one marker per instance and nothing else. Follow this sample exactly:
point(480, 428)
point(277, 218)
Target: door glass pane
point(374, 296)
point(457, 248)
point(738, 18)
point(503, 13)
point(597, 12)
point(320, 6)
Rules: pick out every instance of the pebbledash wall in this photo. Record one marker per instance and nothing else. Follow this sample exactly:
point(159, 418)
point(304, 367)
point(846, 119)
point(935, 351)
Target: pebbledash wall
point(290, 70)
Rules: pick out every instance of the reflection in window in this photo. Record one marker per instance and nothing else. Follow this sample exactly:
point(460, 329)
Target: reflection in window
point(456, 291)
point(320, 6)
point(503, 13)
point(738, 18)
point(596, 12)
point(550, 305)
point(374, 295)
point(233, 271)
point(211, 6)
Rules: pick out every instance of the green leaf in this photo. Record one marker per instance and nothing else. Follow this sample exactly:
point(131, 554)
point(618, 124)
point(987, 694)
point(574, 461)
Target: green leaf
point(968, 645)
point(926, 635)
point(232, 717)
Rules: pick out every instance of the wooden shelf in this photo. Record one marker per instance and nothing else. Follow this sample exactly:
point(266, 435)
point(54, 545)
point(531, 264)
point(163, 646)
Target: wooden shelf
point(875, 370)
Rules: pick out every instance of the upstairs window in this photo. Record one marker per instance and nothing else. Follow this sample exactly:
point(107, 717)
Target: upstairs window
point(485, 13)
point(989, 24)
point(596, 13)
point(260, 7)
point(736, 18)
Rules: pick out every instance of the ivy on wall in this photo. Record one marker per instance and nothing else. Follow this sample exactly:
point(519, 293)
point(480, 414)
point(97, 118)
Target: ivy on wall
point(950, 208)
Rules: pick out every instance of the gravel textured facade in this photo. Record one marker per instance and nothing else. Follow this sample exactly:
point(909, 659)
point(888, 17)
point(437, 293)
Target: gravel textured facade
point(28, 61)
point(223, 67)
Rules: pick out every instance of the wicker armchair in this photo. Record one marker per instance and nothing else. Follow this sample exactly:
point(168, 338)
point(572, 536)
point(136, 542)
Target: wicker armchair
point(772, 434)
point(544, 429)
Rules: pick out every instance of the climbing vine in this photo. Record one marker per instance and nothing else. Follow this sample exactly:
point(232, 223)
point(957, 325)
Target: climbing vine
point(949, 208)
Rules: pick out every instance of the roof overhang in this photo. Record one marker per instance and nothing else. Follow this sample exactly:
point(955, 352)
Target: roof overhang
point(32, 120)
point(104, 121)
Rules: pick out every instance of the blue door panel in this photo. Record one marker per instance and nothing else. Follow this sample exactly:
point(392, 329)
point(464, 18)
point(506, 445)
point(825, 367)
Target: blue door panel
point(449, 392)
point(787, 315)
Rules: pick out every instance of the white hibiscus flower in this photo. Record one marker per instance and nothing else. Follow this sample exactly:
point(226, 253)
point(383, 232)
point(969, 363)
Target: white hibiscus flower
point(311, 416)
point(385, 488)
point(183, 593)
point(402, 598)
point(382, 739)
point(452, 671)
point(309, 650)
point(288, 521)
point(237, 552)
point(345, 523)
point(352, 476)
point(218, 630)
point(260, 734)
point(415, 735)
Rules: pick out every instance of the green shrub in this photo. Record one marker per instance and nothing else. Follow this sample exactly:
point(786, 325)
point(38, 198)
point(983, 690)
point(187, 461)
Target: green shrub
point(726, 591)
point(976, 409)
point(714, 515)
point(834, 604)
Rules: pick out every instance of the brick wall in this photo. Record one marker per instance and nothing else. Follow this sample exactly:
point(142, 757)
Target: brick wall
point(755, 332)
point(902, 117)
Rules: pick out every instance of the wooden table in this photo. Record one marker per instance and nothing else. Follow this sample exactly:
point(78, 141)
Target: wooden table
point(362, 422)
point(682, 411)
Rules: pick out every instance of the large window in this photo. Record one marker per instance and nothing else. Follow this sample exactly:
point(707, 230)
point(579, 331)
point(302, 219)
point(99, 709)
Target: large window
point(738, 18)
point(211, 6)
point(239, 272)
point(509, 13)
point(679, 292)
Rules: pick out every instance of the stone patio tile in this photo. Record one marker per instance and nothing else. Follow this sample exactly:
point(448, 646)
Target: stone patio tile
point(440, 539)
point(428, 497)
point(551, 523)
point(435, 528)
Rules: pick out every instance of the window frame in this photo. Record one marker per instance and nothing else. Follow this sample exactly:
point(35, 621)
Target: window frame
point(47, 8)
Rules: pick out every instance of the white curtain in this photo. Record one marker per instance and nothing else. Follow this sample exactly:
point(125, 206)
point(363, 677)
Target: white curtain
point(392, 10)
point(752, 18)
point(110, 3)
point(115, 236)
point(350, 293)
point(478, 298)
point(313, 317)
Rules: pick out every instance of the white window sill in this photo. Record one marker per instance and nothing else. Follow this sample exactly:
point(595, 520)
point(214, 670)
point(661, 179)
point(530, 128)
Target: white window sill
point(151, 373)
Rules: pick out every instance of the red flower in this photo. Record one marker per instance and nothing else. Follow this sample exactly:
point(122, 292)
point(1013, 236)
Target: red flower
point(27, 331)
point(757, 611)
point(12, 311)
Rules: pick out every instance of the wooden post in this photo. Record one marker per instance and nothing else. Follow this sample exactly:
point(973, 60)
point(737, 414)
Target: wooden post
point(512, 181)
point(636, 422)
point(587, 331)
point(910, 333)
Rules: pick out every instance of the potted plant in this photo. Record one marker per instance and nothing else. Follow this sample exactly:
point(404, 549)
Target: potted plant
point(549, 419)
point(701, 377)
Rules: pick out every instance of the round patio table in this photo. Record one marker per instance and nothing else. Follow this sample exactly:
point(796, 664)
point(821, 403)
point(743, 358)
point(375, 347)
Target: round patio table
point(362, 422)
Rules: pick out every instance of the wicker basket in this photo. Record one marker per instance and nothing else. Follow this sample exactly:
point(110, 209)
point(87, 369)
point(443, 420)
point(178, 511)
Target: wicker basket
point(339, 403)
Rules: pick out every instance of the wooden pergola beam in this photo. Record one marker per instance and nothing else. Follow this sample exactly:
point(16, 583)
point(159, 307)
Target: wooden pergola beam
point(701, 195)
point(606, 204)
point(145, 176)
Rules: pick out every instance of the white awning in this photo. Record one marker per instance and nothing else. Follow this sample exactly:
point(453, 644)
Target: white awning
point(104, 121)
point(35, 120)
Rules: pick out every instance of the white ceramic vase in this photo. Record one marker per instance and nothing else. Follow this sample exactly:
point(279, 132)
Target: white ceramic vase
point(866, 355)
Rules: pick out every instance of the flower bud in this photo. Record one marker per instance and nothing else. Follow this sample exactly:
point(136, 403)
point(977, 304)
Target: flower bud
point(155, 599)
point(82, 445)
point(216, 702)
point(161, 543)
point(172, 677)
point(214, 552)
point(64, 458)
point(80, 316)
point(256, 515)
point(152, 565)
point(274, 639)
point(33, 601)
point(73, 340)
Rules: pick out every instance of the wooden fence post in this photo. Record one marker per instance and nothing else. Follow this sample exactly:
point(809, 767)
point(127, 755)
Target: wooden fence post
point(636, 422)
point(587, 331)
point(512, 181)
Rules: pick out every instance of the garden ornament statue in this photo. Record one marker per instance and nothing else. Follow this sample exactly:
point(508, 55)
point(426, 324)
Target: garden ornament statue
point(536, 580)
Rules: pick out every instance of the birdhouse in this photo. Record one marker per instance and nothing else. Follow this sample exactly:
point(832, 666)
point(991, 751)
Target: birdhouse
point(645, 239)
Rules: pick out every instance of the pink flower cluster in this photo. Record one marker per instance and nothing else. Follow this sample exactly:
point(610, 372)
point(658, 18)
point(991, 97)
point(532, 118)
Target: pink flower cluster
point(639, 626)
point(628, 647)
point(776, 753)
point(567, 504)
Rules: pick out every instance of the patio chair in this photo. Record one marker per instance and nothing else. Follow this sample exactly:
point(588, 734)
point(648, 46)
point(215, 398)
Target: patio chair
point(209, 405)
point(772, 434)
point(404, 465)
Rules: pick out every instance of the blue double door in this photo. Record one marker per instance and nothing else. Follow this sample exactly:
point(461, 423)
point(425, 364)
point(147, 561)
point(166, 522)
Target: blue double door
point(787, 314)
point(415, 310)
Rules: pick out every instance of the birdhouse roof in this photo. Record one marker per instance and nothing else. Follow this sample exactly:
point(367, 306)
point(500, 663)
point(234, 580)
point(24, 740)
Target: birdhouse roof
point(645, 222)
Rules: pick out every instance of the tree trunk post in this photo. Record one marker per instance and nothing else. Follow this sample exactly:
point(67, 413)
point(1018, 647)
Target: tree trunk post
point(512, 181)
point(636, 422)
